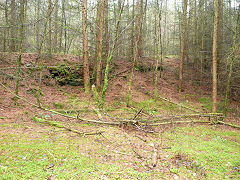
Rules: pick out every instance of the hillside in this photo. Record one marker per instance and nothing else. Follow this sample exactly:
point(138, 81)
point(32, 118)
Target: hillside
point(45, 144)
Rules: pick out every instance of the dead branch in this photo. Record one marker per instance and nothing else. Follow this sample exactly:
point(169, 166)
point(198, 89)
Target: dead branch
point(117, 152)
point(138, 155)
point(57, 124)
point(177, 122)
point(229, 124)
point(141, 138)
point(138, 113)
point(209, 115)
point(155, 157)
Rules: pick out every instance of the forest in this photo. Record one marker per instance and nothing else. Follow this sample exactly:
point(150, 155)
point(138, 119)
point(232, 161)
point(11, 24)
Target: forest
point(120, 89)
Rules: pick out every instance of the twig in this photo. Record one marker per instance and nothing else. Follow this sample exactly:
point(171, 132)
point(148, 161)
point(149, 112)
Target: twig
point(117, 152)
point(178, 122)
point(229, 124)
point(155, 157)
point(138, 113)
point(141, 138)
point(106, 138)
point(56, 124)
point(138, 155)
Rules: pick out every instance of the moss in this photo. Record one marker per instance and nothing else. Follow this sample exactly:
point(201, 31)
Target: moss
point(206, 148)
point(58, 105)
point(206, 103)
point(65, 74)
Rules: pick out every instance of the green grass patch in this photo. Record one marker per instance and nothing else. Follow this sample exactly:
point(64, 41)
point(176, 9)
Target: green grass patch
point(39, 158)
point(58, 105)
point(206, 103)
point(211, 149)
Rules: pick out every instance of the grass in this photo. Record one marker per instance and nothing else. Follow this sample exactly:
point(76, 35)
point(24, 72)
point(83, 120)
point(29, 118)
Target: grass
point(42, 157)
point(213, 150)
point(58, 105)
point(212, 154)
point(206, 103)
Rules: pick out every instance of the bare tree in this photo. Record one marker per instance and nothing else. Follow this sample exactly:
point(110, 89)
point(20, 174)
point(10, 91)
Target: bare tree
point(19, 61)
point(215, 53)
point(13, 28)
point(184, 27)
point(38, 26)
point(85, 47)
point(100, 21)
point(56, 27)
point(49, 28)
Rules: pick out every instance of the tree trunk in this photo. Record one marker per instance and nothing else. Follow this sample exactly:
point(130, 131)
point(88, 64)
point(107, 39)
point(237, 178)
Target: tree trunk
point(215, 53)
point(106, 31)
point(6, 30)
point(201, 8)
point(56, 27)
point(49, 28)
point(85, 47)
point(19, 61)
point(132, 33)
point(105, 85)
point(13, 28)
point(100, 21)
point(184, 27)
point(38, 27)
point(61, 29)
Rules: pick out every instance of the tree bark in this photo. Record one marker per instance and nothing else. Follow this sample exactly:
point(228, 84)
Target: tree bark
point(56, 27)
point(49, 28)
point(215, 54)
point(132, 33)
point(19, 61)
point(12, 28)
point(184, 28)
point(6, 30)
point(85, 47)
point(106, 31)
point(100, 21)
point(38, 27)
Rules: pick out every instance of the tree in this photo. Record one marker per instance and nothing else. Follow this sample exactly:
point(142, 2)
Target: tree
point(132, 30)
point(13, 28)
point(6, 30)
point(38, 26)
point(99, 41)
point(56, 27)
point(138, 32)
point(215, 53)
point(106, 31)
point(19, 61)
point(184, 27)
point(50, 28)
point(85, 47)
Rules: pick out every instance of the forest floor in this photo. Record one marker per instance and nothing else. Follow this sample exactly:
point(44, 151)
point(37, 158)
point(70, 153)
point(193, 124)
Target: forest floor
point(48, 149)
